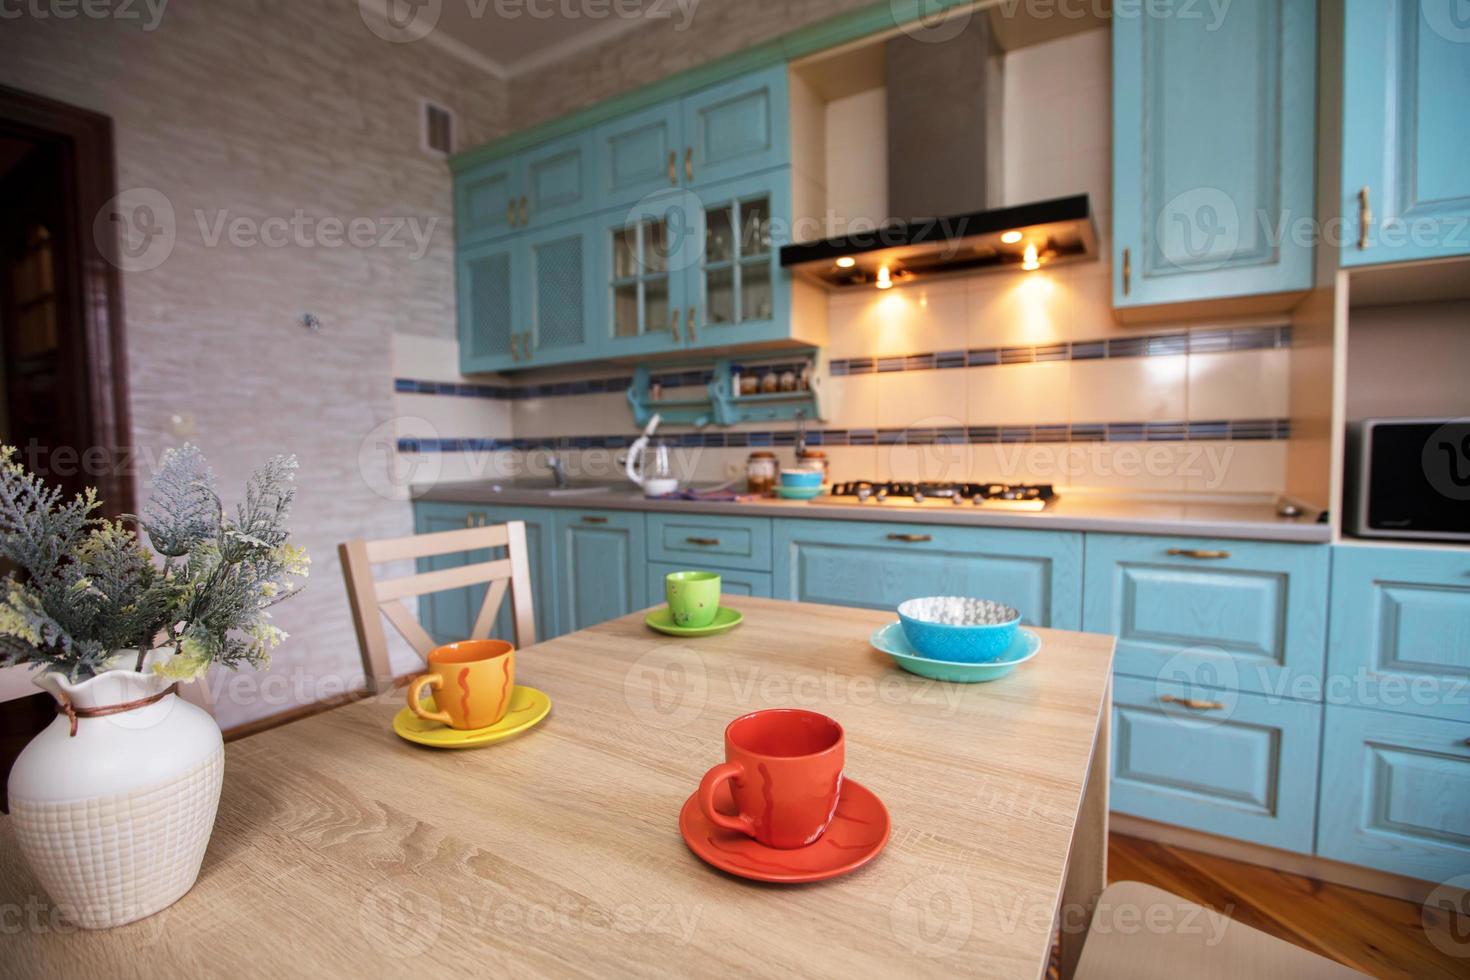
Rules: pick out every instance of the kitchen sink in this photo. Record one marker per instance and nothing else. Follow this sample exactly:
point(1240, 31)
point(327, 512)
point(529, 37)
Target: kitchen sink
point(547, 487)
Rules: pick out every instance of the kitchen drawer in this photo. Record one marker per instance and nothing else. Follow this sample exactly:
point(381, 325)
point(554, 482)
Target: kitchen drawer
point(1239, 765)
point(879, 565)
point(1396, 792)
point(697, 540)
point(732, 581)
point(1400, 633)
point(1229, 614)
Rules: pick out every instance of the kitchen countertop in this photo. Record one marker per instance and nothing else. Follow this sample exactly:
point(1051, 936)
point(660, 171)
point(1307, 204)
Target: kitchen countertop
point(1205, 517)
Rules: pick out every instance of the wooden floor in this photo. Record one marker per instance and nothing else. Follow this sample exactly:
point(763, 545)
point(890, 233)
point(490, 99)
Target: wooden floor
point(1382, 937)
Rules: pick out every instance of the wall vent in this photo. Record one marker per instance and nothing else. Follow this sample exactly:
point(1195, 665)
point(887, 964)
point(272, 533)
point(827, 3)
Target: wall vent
point(438, 133)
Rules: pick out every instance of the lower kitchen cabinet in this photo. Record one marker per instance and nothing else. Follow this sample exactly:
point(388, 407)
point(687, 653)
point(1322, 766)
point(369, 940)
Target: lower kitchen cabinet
point(1246, 614)
point(1400, 635)
point(695, 540)
point(600, 560)
point(449, 616)
point(732, 581)
point(1224, 762)
point(879, 565)
point(1396, 792)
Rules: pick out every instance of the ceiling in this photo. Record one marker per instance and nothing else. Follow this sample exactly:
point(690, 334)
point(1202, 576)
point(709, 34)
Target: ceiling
point(510, 37)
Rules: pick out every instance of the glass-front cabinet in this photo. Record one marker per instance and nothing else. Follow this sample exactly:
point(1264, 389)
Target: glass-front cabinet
point(738, 292)
point(643, 279)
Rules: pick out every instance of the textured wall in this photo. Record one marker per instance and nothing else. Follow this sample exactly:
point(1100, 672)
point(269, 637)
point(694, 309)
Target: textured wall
point(662, 47)
point(253, 110)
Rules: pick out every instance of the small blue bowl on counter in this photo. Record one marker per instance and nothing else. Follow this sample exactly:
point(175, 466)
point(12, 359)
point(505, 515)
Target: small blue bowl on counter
point(801, 478)
point(958, 628)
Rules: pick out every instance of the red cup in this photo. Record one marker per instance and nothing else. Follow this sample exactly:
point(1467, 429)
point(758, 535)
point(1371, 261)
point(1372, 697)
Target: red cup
point(785, 772)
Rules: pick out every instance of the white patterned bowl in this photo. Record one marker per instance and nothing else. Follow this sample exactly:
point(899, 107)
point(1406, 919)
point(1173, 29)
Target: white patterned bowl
point(958, 628)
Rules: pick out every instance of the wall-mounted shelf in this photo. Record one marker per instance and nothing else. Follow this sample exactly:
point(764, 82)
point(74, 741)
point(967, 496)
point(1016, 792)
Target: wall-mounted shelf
point(720, 402)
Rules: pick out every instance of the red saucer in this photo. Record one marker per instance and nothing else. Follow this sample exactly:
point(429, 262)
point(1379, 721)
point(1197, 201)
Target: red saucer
point(854, 837)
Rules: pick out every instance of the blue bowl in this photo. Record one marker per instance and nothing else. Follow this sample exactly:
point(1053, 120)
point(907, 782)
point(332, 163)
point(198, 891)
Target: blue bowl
point(801, 478)
point(959, 629)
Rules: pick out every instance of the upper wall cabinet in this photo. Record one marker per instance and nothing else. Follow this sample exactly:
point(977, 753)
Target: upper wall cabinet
point(638, 154)
point(487, 200)
point(1406, 133)
point(558, 182)
point(1214, 130)
point(737, 128)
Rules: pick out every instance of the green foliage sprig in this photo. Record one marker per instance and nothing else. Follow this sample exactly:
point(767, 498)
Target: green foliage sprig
point(91, 589)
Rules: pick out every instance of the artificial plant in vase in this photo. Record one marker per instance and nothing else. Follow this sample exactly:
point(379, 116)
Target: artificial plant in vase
point(114, 802)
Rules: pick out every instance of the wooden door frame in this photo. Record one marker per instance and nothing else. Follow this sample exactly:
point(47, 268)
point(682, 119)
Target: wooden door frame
point(91, 181)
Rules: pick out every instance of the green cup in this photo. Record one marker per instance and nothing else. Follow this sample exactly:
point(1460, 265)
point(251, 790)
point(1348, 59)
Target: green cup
point(694, 597)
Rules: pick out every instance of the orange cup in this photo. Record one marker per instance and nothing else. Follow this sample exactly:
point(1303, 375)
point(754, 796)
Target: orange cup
point(472, 683)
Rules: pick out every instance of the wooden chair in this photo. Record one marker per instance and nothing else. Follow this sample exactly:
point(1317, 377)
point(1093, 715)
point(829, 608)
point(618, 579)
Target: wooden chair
point(369, 597)
point(1140, 932)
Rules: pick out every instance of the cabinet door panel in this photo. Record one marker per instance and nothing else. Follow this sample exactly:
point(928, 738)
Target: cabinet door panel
point(1400, 636)
point(558, 180)
point(448, 616)
point(638, 154)
point(485, 200)
point(697, 540)
point(738, 292)
point(1406, 72)
point(1213, 152)
point(601, 564)
point(1396, 792)
point(1243, 614)
point(491, 290)
point(1235, 764)
point(856, 563)
point(738, 127)
point(561, 296)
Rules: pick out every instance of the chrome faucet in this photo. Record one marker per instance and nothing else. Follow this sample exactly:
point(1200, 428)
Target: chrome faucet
point(558, 471)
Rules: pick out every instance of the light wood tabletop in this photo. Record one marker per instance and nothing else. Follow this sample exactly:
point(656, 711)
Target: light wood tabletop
point(341, 850)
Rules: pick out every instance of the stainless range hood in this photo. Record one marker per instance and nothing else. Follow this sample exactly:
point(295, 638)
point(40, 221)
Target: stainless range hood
point(945, 153)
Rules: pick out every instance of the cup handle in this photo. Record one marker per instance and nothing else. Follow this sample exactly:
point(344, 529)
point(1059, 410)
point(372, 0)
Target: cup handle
point(739, 823)
point(415, 692)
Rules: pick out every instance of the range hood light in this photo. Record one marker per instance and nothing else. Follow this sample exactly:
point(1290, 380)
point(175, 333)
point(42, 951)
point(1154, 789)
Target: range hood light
point(1010, 238)
point(846, 262)
point(884, 279)
point(1029, 261)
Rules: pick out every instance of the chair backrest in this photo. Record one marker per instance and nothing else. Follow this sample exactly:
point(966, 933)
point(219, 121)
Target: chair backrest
point(370, 597)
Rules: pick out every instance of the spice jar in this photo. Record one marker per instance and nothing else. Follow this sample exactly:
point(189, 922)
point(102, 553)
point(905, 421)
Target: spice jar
point(760, 473)
point(813, 459)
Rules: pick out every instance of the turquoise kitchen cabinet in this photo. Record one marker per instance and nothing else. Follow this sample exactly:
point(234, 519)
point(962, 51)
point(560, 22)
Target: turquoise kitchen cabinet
point(561, 297)
point(1405, 186)
point(1400, 633)
point(1396, 792)
point(1246, 615)
point(557, 182)
point(450, 615)
point(639, 154)
point(736, 128)
point(738, 292)
point(487, 200)
point(733, 581)
point(879, 565)
point(643, 257)
point(491, 287)
point(697, 541)
point(1230, 763)
point(601, 562)
point(1214, 149)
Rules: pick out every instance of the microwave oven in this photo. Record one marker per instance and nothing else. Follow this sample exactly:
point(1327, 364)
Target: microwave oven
point(1409, 478)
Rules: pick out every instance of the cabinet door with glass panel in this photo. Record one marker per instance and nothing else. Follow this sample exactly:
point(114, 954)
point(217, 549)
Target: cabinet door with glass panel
point(738, 292)
point(646, 253)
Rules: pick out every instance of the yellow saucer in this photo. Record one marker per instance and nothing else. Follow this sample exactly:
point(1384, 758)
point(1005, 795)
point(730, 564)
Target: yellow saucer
point(527, 707)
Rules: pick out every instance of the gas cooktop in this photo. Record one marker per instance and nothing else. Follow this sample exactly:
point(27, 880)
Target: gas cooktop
point(992, 496)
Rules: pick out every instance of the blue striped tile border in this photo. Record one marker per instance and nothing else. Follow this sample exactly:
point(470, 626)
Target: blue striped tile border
point(1234, 430)
point(1144, 345)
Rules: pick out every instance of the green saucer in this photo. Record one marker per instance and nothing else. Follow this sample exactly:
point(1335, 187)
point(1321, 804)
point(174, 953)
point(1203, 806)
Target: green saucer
point(663, 621)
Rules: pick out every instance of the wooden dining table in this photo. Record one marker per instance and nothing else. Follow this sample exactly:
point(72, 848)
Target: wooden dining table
point(341, 850)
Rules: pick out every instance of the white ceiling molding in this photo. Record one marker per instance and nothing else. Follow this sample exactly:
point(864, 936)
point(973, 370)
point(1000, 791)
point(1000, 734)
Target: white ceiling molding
point(576, 44)
point(378, 9)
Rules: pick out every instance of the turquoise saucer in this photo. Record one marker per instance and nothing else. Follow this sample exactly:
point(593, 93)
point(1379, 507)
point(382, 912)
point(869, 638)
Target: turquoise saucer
point(890, 640)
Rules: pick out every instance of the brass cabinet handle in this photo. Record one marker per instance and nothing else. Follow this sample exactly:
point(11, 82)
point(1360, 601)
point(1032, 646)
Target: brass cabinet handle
point(689, 163)
point(514, 354)
point(469, 519)
point(1194, 704)
point(525, 211)
point(593, 519)
point(674, 167)
point(526, 344)
point(690, 324)
point(674, 325)
point(1365, 217)
point(510, 212)
point(1127, 270)
point(1203, 553)
point(705, 541)
point(894, 536)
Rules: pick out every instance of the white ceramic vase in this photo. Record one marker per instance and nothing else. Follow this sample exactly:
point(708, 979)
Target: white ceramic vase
point(114, 820)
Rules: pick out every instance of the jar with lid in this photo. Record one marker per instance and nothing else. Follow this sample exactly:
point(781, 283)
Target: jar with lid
point(813, 459)
point(760, 473)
